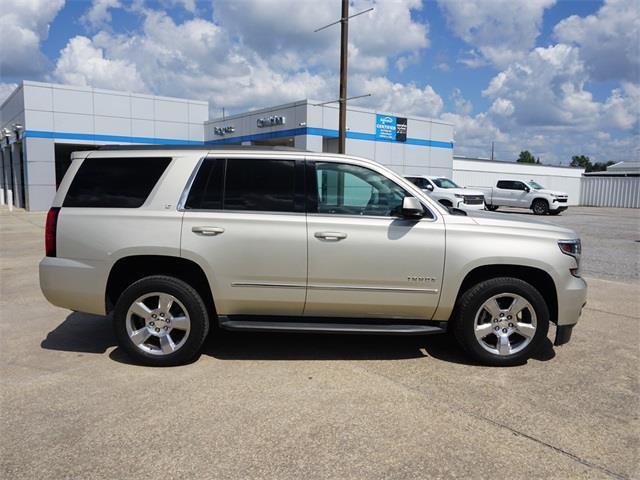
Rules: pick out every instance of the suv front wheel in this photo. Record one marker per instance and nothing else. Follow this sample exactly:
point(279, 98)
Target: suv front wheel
point(502, 321)
point(161, 321)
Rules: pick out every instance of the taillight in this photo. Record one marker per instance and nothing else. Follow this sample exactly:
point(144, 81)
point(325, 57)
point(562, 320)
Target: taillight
point(50, 232)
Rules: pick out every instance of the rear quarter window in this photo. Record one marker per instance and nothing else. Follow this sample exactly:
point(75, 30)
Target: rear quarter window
point(115, 182)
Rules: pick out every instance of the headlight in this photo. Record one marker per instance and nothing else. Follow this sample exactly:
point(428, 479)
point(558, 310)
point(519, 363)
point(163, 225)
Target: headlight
point(457, 195)
point(572, 248)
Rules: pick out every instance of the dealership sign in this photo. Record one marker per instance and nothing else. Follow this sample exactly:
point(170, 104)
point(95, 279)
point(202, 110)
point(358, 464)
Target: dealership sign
point(223, 130)
point(271, 121)
point(390, 128)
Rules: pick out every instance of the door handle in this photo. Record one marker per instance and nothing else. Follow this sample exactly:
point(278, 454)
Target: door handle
point(330, 236)
point(208, 231)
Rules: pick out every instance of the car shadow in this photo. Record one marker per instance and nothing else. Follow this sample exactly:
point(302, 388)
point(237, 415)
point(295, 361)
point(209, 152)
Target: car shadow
point(85, 333)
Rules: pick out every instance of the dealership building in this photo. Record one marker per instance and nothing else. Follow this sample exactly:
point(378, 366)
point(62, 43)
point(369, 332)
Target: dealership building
point(42, 123)
point(405, 143)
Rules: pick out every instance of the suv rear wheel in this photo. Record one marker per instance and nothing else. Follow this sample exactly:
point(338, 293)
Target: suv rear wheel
point(161, 321)
point(501, 321)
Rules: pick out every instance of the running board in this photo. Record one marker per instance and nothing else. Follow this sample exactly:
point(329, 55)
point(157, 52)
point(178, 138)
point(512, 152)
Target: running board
point(329, 327)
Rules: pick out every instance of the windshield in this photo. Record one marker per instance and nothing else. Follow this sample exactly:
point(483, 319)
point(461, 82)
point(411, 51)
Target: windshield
point(444, 183)
point(534, 185)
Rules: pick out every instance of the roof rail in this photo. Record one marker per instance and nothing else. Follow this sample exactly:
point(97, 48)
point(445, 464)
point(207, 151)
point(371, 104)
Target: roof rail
point(201, 147)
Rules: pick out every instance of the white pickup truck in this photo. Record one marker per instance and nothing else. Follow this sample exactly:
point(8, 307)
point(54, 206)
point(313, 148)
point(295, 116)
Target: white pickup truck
point(532, 195)
point(448, 193)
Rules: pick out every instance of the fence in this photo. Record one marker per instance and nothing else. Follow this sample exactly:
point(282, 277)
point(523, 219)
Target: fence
point(610, 192)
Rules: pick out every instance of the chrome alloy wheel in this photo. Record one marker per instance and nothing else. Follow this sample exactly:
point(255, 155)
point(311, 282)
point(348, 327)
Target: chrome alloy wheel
point(158, 323)
point(505, 324)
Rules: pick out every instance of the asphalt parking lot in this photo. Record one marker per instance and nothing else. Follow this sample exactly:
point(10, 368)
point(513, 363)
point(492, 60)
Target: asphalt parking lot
point(313, 406)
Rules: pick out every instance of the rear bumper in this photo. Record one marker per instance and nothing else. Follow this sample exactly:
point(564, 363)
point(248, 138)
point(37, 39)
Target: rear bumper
point(72, 284)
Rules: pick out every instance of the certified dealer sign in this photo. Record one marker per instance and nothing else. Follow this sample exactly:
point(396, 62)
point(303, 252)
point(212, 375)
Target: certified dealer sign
point(392, 129)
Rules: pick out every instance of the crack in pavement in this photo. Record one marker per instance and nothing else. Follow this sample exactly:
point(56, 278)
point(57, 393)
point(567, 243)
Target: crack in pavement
point(631, 317)
point(470, 413)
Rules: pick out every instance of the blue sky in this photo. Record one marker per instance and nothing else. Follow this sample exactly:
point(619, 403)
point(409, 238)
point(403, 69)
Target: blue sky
point(558, 78)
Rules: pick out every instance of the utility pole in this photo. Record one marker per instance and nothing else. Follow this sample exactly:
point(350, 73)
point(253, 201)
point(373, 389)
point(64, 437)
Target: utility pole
point(344, 52)
point(491, 150)
point(344, 47)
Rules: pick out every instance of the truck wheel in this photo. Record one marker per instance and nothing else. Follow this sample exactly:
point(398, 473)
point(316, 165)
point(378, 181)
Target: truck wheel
point(501, 321)
point(540, 207)
point(161, 321)
point(492, 208)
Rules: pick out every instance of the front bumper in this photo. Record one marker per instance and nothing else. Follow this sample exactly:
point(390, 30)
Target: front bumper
point(465, 206)
point(556, 205)
point(572, 297)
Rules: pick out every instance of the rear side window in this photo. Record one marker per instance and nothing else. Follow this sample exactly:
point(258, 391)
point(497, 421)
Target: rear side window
point(507, 185)
point(206, 190)
point(114, 182)
point(260, 185)
point(247, 185)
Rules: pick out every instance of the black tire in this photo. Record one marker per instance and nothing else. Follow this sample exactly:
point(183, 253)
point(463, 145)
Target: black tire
point(540, 206)
point(464, 321)
point(491, 208)
point(187, 296)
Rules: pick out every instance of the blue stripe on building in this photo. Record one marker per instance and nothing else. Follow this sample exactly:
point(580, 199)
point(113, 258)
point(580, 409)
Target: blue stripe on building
point(232, 140)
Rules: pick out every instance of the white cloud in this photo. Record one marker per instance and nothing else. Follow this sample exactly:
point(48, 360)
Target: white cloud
point(81, 63)
point(5, 90)
point(502, 107)
point(473, 134)
point(282, 31)
point(545, 88)
point(198, 59)
point(390, 97)
point(99, 14)
point(461, 104)
point(23, 25)
point(609, 40)
point(622, 109)
point(501, 30)
point(188, 5)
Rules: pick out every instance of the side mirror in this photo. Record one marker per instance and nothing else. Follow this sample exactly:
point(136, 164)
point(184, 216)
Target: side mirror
point(412, 208)
point(527, 189)
point(429, 187)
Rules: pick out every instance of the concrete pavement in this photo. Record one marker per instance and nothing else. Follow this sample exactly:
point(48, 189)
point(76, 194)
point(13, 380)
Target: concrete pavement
point(307, 406)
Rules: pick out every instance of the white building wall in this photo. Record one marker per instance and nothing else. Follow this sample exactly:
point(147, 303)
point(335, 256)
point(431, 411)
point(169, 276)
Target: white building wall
point(52, 113)
point(608, 191)
point(485, 173)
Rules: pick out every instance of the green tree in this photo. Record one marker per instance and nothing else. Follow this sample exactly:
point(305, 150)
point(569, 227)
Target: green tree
point(600, 166)
point(581, 161)
point(526, 157)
